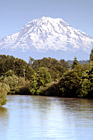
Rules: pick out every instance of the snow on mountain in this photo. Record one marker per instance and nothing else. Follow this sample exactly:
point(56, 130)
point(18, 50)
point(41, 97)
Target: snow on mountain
point(46, 34)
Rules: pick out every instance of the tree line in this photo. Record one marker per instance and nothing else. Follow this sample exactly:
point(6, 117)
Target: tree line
point(46, 76)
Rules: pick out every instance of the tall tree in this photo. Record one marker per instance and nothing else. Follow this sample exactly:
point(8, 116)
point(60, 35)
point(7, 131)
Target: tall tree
point(91, 55)
point(91, 60)
point(31, 60)
point(75, 63)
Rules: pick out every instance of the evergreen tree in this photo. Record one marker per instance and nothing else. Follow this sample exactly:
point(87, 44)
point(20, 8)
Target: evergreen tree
point(75, 63)
point(91, 55)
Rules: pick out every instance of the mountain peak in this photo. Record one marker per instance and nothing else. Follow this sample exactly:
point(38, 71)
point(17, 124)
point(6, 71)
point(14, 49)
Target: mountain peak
point(47, 34)
point(47, 20)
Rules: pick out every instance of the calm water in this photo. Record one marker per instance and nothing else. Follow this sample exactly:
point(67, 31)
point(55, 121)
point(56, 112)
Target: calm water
point(46, 118)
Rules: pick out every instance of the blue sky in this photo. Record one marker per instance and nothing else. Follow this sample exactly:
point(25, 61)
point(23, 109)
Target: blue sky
point(16, 13)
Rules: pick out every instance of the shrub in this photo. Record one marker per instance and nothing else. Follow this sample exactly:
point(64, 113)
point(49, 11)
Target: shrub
point(4, 89)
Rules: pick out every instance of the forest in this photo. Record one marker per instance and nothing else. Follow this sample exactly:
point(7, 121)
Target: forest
point(45, 77)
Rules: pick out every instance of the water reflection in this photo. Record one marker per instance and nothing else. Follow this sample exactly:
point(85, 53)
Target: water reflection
point(3, 121)
point(46, 118)
point(3, 111)
point(3, 115)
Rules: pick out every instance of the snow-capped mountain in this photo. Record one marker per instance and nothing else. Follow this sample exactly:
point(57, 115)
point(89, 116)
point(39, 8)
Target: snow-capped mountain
point(47, 34)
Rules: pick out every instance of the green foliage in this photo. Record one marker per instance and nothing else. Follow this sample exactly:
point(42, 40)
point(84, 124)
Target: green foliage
point(70, 84)
point(79, 70)
point(91, 82)
point(64, 63)
point(55, 68)
point(8, 73)
point(4, 89)
point(28, 72)
point(75, 63)
point(18, 66)
point(85, 85)
point(21, 68)
point(39, 79)
point(47, 76)
point(34, 84)
point(31, 60)
point(43, 76)
point(85, 66)
point(91, 55)
point(16, 84)
point(6, 63)
point(51, 89)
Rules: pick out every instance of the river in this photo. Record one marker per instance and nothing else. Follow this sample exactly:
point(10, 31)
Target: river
point(46, 118)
